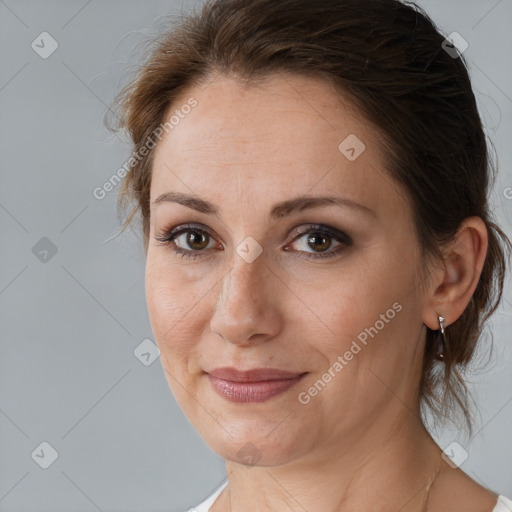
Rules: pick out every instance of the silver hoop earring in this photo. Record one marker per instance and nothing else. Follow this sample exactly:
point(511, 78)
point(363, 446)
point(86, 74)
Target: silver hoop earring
point(441, 336)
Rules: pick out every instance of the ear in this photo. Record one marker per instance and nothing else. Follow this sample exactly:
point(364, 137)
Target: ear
point(456, 281)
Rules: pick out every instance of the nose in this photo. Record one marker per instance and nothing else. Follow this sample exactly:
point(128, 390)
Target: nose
point(247, 310)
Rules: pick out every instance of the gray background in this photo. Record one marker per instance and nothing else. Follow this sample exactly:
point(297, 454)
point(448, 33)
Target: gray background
point(70, 323)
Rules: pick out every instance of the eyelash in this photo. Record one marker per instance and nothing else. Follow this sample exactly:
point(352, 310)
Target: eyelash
point(168, 236)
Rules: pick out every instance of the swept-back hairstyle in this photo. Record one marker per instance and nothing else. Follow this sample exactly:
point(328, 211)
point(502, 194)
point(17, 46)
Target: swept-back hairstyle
point(388, 58)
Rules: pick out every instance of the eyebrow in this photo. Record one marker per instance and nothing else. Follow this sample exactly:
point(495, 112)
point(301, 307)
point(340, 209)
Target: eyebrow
point(279, 210)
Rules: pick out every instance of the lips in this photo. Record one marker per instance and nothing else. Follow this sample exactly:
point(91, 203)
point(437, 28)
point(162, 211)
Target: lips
point(254, 375)
point(256, 385)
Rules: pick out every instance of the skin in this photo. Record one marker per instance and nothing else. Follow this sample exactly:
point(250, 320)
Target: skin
point(245, 148)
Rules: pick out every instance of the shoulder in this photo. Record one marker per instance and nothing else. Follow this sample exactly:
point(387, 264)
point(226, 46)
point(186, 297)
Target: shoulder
point(504, 504)
point(205, 505)
point(460, 490)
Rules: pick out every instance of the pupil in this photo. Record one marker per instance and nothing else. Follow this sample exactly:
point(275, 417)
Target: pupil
point(192, 240)
point(324, 244)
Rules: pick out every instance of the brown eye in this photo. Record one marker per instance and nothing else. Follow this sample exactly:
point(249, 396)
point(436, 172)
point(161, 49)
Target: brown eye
point(314, 241)
point(319, 242)
point(188, 241)
point(197, 240)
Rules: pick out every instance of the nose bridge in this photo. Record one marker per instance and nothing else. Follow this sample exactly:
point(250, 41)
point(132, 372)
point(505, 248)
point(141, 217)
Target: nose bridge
point(243, 308)
point(239, 285)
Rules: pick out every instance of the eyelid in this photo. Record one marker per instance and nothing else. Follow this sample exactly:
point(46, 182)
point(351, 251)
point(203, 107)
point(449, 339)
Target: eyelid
point(187, 227)
point(320, 228)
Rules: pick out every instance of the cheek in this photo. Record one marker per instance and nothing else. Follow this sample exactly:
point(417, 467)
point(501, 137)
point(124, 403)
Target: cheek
point(175, 325)
point(363, 317)
point(173, 311)
point(353, 300)
point(374, 321)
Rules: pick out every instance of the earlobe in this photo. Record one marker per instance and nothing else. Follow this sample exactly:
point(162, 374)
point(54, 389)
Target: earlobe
point(463, 264)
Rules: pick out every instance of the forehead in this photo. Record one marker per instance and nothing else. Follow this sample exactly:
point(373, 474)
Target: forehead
point(279, 138)
point(273, 115)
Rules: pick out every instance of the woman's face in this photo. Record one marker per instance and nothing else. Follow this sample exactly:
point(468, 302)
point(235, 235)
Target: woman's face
point(327, 290)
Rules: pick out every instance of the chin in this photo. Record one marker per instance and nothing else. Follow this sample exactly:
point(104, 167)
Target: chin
point(251, 444)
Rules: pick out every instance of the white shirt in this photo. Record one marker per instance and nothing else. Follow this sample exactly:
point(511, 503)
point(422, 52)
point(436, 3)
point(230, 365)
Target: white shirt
point(502, 505)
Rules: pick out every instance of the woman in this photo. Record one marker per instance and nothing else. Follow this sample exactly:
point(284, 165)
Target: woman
point(312, 179)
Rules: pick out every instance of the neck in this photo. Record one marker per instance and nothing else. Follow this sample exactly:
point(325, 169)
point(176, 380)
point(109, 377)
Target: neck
point(382, 469)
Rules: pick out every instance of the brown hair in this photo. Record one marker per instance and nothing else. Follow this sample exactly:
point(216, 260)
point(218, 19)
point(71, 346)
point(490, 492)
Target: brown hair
point(387, 57)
